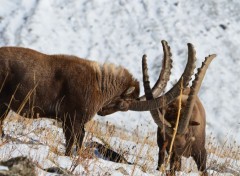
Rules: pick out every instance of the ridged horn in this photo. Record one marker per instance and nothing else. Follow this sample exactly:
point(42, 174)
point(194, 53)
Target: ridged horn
point(171, 95)
point(156, 114)
point(164, 76)
point(188, 109)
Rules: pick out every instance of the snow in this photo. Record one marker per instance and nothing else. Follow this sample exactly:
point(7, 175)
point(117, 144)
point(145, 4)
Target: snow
point(122, 31)
point(142, 155)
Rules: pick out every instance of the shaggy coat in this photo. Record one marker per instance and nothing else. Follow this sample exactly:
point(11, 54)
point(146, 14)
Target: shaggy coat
point(64, 87)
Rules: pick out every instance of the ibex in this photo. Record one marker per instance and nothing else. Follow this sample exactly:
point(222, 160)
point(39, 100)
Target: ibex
point(71, 89)
point(65, 87)
point(190, 137)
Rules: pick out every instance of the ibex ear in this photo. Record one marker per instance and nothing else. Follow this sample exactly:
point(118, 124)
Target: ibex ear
point(193, 123)
point(129, 90)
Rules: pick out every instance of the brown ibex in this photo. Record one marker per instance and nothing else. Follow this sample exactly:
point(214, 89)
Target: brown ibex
point(190, 137)
point(71, 89)
point(60, 86)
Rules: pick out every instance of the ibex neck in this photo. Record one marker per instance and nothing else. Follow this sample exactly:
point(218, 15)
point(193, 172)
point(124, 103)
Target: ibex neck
point(113, 80)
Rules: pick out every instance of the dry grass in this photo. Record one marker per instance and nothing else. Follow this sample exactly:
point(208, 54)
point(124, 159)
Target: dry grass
point(102, 129)
point(140, 150)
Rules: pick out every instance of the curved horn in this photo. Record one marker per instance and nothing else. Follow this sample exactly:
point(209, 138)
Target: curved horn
point(164, 76)
point(156, 114)
point(167, 98)
point(185, 117)
point(186, 76)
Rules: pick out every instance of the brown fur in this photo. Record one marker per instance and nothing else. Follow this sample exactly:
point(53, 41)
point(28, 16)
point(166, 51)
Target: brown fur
point(67, 87)
point(192, 143)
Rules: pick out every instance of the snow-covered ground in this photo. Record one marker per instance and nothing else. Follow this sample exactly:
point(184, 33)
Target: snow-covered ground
point(121, 31)
point(43, 142)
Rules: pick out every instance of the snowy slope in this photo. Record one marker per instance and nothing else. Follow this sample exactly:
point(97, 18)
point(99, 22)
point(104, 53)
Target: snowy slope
point(42, 141)
point(122, 31)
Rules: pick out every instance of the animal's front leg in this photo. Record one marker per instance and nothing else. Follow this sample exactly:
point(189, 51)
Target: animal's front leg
point(175, 163)
point(79, 137)
point(1, 129)
point(69, 136)
point(162, 148)
point(3, 113)
point(74, 133)
point(201, 159)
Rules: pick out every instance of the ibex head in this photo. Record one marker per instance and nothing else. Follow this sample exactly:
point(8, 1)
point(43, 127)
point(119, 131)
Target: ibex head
point(128, 90)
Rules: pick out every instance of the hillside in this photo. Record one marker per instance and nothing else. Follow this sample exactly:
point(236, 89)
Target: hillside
point(122, 31)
